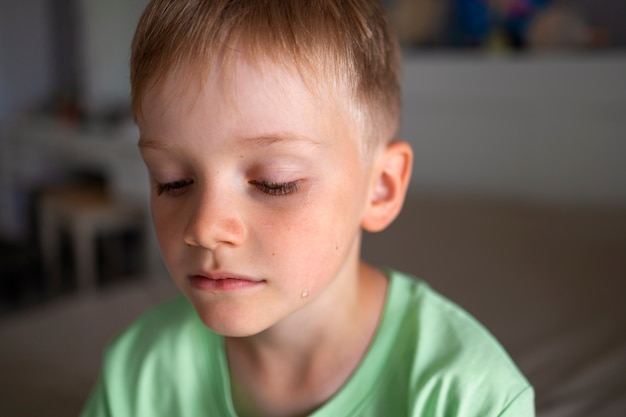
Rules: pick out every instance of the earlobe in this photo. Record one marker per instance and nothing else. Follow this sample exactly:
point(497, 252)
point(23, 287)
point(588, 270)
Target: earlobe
point(392, 173)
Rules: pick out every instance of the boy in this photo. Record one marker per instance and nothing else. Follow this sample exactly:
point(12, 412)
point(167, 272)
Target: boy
point(269, 132)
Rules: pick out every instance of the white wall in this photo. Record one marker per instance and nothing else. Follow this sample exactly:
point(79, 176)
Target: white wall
point(531, 127)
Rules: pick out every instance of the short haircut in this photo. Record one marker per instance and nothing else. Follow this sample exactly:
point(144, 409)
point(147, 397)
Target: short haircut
point(347, 44)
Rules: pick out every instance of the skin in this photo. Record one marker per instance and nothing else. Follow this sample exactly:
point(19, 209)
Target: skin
point(259, 195)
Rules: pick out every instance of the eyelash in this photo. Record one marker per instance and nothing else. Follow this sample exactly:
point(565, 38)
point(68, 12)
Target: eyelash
point(173, 188)
point(276, 189)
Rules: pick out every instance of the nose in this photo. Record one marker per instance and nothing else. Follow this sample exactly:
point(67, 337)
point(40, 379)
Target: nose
point(214, 221)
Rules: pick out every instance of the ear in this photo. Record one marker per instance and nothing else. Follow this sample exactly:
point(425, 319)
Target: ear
point(391, 176)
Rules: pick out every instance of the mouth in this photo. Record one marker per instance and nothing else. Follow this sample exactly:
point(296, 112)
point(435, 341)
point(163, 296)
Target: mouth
point(220, 281)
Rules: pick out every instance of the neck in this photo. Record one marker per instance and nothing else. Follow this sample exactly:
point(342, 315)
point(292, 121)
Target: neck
point(304, 360)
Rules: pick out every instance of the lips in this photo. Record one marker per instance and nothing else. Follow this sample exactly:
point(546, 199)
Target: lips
point(222, 281)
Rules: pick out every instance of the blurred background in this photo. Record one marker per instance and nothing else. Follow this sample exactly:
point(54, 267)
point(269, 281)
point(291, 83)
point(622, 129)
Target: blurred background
point(516, 110)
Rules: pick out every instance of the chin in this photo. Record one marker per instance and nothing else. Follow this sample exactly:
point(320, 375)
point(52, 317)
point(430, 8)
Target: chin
point(229, 325)
point(229, 330)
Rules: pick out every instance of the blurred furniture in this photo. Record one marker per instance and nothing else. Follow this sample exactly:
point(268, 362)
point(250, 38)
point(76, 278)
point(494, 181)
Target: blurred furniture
point(41, 152)
point(419, 22)
point(85, 213)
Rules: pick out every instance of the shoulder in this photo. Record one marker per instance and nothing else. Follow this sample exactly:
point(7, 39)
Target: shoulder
point(440, 327)
point(161, 338)
point(166, 363)
point(155, 362)
point(154, 330)
point(452, 356)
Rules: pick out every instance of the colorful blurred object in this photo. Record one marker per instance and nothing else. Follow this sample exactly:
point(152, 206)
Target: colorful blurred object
point(476, 23)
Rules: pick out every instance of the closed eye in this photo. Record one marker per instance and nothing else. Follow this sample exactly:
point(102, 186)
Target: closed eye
point(276, 188)
point(174, 188)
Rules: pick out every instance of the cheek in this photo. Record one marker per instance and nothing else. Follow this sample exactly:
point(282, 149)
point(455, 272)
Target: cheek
point(166, 226)
point(314, 236)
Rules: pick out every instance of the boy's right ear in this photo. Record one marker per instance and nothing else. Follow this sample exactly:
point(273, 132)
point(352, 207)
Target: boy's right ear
point(391, 176)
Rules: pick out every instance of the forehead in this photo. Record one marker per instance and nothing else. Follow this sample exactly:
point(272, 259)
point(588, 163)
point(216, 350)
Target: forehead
point(325, 76)
point(231, 71)
point(246, 99)
point(236, 83)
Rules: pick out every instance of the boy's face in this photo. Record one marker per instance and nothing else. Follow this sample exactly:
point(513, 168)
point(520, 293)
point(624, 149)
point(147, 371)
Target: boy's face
point(258, 190)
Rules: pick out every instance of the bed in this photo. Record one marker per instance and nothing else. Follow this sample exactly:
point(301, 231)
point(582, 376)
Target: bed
point(548, 281)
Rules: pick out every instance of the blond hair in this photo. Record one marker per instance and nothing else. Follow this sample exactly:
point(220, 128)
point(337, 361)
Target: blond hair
point(347, 43)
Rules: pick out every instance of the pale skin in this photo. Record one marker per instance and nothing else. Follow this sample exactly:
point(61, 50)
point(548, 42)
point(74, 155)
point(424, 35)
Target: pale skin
point(259, 196)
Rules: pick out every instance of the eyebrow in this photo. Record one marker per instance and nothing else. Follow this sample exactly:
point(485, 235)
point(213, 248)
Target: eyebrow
point(146, 143)
point(279, 138)
point(256, 141)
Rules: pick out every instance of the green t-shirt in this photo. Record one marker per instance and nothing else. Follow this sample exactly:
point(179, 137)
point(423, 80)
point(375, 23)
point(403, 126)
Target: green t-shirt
point(429, 358)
